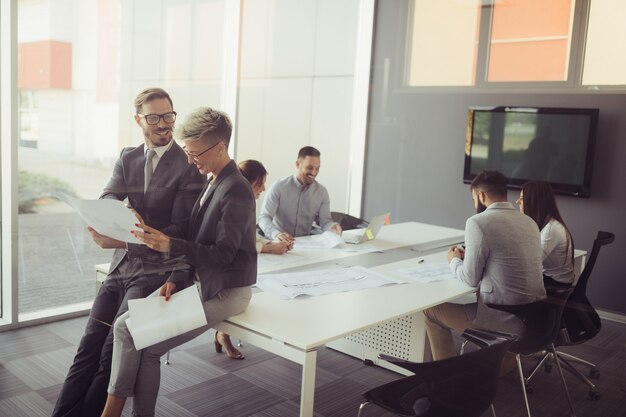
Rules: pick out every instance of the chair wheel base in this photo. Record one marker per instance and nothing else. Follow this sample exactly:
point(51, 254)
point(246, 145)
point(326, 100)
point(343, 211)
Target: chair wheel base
point(529, 388)
point(368, 362)
point(594, 395)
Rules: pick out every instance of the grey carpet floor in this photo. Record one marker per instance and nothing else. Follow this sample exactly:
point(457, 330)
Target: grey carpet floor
point(200, 382)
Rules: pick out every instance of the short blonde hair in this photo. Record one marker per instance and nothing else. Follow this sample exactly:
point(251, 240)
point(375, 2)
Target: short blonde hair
point(206, 123)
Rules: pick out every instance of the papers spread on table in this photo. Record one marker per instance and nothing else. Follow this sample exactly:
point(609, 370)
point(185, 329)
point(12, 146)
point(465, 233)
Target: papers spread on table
point(331, 240)
point(426, 273)
point(326, 281)
point(153, 320)
point(266, 260)
point(326, 240)
point(107, 216)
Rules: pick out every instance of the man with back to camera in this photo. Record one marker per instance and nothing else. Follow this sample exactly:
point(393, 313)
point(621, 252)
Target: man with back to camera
point(292, 205)
point(162, 189)
point(502, 257)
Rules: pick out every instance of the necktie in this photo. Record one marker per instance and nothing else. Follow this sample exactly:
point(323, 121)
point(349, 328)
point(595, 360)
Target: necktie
point(148, 169)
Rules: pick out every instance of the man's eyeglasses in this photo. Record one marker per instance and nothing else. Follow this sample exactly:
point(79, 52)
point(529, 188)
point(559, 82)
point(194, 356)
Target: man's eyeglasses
point(153, 119)
point(195, 156)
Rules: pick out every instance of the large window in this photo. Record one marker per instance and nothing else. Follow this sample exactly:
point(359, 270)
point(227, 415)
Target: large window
point(530, 40)
point(284, 69)
point(80, 65)
point(605, 62)
point(443, 43)
point(546, 44)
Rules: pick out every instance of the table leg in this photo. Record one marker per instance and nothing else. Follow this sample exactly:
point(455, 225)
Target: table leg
point(307, 390)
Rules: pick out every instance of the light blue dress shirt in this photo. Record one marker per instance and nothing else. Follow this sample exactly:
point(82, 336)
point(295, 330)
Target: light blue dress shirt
point(293, 208)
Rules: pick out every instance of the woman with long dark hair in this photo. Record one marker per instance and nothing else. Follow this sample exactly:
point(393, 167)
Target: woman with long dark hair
point(256, 174)
point(537, 201)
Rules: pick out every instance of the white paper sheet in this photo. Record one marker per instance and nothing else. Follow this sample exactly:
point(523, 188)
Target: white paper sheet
point(153, 320)
point(362, 248)
point(107, 216)
point(266, 260)
point(327, 281)
point(326, 240)
point(426, 273)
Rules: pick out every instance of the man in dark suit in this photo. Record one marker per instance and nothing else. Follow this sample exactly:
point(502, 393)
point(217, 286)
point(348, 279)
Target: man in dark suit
point(220, 247)
point(161, 188)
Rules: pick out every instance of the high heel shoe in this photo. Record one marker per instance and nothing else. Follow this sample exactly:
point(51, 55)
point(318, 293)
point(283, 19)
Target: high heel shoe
point(231, 351)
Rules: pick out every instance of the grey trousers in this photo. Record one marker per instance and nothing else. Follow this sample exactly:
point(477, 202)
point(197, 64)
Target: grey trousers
point(137, 374)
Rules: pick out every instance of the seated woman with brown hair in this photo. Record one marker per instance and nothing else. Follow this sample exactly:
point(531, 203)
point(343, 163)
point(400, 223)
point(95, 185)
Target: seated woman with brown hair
point(256, 174)
point(537, 201)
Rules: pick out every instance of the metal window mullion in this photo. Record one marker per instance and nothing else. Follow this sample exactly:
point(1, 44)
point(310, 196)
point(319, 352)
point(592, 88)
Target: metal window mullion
point(8, 162)
point(577, 47)
point(482, 55)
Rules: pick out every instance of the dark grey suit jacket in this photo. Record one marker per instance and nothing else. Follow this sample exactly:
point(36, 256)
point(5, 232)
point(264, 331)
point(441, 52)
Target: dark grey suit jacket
point(166, 205)
point(221, 242)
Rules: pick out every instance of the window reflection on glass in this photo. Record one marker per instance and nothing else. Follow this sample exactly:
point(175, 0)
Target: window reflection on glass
point(530, 40)
point(28, 120)
point(443, 43)
point(605, 36)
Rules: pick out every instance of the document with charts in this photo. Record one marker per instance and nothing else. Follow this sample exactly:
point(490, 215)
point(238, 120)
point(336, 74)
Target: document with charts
point(426, 273)
point(326, 281)
point(267, 260)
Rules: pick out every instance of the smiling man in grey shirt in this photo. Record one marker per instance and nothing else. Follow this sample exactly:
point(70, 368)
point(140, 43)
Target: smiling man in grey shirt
point(294, 204)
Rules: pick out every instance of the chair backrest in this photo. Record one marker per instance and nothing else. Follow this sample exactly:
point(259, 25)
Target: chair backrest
point(462, 386)
point(541, 319)
point(602, 239)
point(580, 321)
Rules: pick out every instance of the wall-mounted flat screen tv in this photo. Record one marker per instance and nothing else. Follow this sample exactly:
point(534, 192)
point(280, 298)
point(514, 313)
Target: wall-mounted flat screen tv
point(533, 143)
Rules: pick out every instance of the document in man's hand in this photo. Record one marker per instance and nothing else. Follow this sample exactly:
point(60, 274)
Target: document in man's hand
point(153, 320)
point(107, 216)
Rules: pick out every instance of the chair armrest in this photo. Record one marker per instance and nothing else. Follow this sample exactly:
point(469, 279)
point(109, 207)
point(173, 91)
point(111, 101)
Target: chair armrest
point(483, 338)
point(402, 363)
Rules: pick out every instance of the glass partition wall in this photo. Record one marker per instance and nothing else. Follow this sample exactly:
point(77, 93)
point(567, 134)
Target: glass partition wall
point(284, 69)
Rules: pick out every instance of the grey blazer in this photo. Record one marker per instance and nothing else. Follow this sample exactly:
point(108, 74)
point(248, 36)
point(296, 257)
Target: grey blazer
point(221, 243)
point(503, 258)
point(166, 205)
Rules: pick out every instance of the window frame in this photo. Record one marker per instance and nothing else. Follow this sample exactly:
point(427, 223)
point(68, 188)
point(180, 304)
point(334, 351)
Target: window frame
point(573, 83)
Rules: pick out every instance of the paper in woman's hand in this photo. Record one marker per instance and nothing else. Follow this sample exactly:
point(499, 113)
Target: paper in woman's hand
point(153, 320)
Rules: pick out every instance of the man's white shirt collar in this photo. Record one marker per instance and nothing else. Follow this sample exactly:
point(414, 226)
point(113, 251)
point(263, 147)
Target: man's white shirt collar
point(160, 150)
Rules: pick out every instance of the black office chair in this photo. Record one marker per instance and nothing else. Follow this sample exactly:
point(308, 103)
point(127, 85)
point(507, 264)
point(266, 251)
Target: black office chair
point(541, 321)
point(580, 322)
point(347, 221)
point(463, 386)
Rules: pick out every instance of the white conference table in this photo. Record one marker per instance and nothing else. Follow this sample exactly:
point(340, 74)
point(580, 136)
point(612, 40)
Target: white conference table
point(296, 329)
